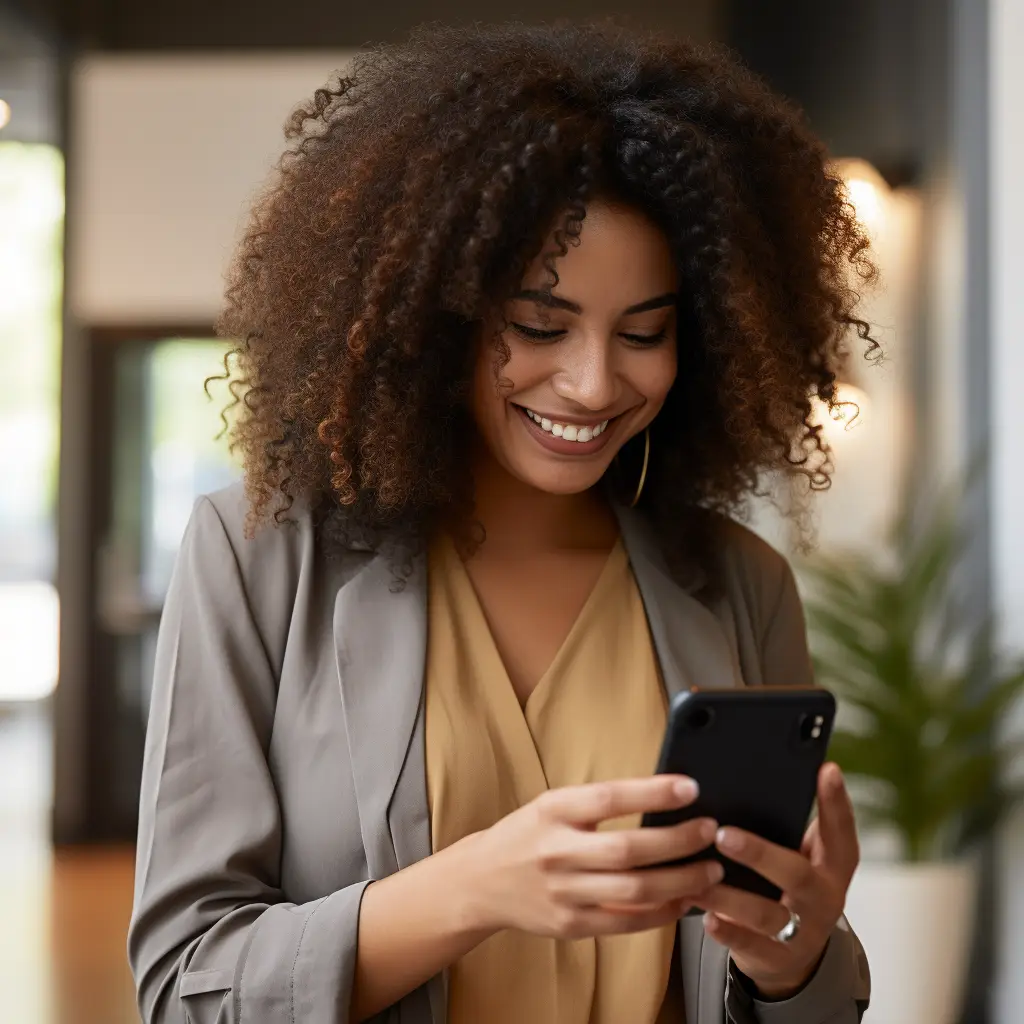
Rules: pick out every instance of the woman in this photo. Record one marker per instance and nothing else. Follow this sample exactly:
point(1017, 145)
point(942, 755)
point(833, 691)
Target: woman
point(526, 314)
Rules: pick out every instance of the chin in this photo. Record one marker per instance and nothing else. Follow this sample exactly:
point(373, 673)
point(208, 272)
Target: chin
point(559, 480)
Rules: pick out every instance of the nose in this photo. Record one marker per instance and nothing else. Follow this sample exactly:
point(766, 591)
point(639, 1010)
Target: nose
point(587, 374)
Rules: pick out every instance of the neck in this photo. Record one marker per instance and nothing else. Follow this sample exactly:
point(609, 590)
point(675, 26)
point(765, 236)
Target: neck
point(521, 519)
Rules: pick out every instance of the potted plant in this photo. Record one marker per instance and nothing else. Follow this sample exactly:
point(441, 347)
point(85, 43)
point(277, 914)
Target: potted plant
point(922, 698)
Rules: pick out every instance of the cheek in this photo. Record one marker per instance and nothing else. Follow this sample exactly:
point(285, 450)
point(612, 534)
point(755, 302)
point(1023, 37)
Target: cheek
point(493, 382)
point(527, 366)
point(655, 377)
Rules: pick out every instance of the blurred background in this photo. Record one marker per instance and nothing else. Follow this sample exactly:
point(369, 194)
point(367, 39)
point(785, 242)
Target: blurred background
point(131, 138)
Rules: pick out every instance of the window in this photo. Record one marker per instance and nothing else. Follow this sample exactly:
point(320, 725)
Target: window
point(32, 213)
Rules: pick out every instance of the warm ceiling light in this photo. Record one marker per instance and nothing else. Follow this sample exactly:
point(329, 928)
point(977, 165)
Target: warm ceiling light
point(5, 113)
point(868, 192)
point(845, 415)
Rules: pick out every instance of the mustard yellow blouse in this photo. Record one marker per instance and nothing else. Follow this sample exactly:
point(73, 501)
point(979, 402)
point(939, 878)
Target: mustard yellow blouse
point(598, 713)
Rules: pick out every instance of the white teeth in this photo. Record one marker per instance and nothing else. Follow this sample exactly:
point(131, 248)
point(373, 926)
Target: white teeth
point(569, 431)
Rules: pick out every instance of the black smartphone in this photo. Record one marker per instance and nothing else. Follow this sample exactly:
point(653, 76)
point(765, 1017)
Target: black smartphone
point(755, 754)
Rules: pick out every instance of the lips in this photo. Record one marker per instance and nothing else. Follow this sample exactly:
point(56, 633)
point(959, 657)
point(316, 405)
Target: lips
point(579, 432)
point(575, 444)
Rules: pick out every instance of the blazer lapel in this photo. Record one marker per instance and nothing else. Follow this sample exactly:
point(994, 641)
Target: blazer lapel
point(381, 642)
point(693, 644)
point(381, 647)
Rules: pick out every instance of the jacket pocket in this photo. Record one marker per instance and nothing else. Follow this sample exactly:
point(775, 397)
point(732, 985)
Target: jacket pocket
point(194, 983)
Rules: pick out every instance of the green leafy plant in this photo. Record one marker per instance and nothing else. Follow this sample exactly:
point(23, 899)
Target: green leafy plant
point(922, 691)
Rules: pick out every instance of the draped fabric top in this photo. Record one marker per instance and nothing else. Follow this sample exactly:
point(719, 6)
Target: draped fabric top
point(597, 713)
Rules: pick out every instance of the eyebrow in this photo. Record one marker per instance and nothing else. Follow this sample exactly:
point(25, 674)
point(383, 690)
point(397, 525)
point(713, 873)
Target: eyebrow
point(554, 302)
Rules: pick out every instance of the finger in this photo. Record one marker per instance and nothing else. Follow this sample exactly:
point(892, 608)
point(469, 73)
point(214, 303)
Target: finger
point(594, 802)
point(745, 944)
point(594, 888)
point(618, 850)
point(786, 868)
point(809, 848)
point(643, 908)
point(837, 825)
point(755, 913)
point(603, 921)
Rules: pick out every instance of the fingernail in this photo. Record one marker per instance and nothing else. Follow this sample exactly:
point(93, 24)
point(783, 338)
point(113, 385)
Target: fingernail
point(708, 830)
point(686, 789)
point(728, 840)
point(834, 778)
point(715, 873)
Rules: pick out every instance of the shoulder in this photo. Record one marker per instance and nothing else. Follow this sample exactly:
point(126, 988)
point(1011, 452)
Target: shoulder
point(751, 570)
point(743, 551)
point(275, 580)
point(220, 523)
point(767, 611)
point(273, 557)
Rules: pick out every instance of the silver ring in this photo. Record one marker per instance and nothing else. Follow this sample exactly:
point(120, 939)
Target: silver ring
point(789, 931)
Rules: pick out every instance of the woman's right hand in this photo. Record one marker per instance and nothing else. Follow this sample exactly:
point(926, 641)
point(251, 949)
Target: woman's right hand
point(546, 869)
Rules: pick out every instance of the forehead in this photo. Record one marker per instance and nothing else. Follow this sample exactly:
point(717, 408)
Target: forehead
point(622, 258)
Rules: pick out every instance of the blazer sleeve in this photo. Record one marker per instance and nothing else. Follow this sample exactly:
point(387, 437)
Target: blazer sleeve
point(212, 939)
point(839, 990)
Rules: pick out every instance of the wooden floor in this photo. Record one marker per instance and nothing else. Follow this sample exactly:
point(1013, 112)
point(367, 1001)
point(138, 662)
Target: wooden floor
point(64, 915)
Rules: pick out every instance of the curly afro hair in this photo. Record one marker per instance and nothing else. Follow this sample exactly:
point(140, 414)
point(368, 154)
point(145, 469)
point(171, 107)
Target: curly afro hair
point(417, 188)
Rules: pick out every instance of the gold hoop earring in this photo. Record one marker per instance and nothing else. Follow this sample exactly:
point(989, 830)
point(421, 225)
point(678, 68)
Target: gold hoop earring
point(643, 472)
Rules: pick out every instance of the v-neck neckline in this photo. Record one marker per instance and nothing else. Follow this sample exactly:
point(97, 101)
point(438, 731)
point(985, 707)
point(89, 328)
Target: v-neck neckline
point(542, 691)
point(616, 556)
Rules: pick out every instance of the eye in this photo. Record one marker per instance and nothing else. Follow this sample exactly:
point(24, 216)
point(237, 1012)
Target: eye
point(533, 334)
point(646, 340)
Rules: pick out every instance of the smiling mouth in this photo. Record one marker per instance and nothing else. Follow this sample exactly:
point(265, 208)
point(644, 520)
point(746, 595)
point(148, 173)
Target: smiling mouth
point(581, 433)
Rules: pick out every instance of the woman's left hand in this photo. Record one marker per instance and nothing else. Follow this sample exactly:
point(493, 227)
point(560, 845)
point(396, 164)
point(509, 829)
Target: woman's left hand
point(813, 883)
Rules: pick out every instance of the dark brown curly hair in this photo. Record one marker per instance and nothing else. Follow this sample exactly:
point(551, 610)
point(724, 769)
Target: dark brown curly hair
point(416, 190)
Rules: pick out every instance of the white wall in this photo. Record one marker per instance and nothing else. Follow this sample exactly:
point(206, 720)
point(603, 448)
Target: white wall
point(168, 152)
point(1007, 132)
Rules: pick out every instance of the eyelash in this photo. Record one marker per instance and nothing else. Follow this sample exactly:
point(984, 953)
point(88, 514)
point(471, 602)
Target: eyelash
point(642, 340)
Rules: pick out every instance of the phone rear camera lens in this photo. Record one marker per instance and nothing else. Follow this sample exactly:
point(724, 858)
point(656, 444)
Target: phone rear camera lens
point(811, 728)
point(700, 719)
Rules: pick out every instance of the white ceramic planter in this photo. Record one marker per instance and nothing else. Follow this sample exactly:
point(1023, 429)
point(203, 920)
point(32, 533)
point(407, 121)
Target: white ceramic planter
point(916, 923)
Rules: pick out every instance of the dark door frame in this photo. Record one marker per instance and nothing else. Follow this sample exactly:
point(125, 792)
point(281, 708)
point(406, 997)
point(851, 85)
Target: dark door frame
point(85, 701)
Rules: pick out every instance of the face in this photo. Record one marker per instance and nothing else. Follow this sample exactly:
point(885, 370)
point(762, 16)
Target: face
point(589, 369)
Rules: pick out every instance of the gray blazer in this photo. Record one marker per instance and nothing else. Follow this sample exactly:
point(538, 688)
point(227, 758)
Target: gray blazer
point(284, 768)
